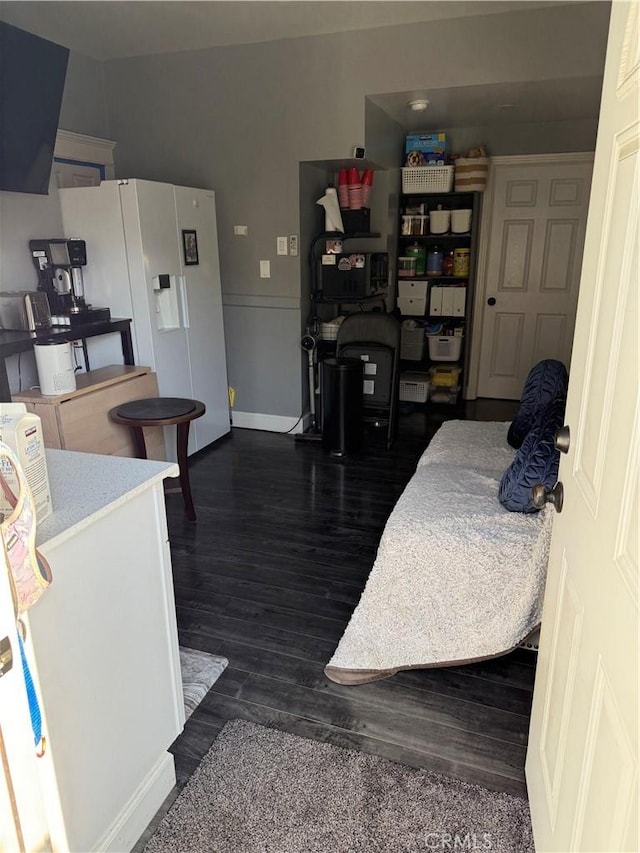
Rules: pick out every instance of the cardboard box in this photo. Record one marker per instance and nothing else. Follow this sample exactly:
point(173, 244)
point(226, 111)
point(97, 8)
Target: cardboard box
point(432, 144)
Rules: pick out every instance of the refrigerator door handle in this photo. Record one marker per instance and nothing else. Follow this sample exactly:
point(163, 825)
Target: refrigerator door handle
point(184, 302)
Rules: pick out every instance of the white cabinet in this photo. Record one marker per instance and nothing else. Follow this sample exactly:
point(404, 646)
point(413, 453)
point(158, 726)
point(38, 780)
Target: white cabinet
point(103, 641)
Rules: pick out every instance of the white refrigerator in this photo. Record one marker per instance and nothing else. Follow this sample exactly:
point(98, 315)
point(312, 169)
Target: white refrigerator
point(141, 264)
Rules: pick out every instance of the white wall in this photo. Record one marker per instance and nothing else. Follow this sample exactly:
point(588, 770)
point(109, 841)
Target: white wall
point(241, 120)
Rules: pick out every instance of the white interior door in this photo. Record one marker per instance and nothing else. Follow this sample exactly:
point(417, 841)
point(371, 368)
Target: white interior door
point(536, 220)
point(582, 760)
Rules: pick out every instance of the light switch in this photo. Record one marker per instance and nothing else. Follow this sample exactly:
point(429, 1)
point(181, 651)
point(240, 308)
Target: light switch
point(241, 230)
point(282, 245)
point(265, 269)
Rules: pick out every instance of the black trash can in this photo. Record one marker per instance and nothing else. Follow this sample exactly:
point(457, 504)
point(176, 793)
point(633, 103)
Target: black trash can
point(341, 389)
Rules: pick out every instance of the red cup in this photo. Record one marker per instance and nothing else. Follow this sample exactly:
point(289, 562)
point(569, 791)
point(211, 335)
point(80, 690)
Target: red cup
point(343, 189)
point(355, 196)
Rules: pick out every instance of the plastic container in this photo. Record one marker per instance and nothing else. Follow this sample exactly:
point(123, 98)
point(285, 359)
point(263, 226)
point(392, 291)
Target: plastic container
point(427, 179)
point(414, 387)
point(439, 221)
point(418, 251)
point(444, 348)
point(461, 221)
point(444, 395)
point(461, 261)
point(406, 267)
point(445, 376)
point(435, 257)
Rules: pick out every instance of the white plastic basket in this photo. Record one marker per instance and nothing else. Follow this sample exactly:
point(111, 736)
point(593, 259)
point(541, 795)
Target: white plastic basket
point(414, 387)
point(445, 348)
point(427, 179)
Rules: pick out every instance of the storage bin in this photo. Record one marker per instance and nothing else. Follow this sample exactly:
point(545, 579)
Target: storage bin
point(413, 289)
point(445, 348)
point(414, 387)
point(444, 395)
point(412, 307)
point(471, 174)
point(442, 376)
point(412, 344)
point(427, 179)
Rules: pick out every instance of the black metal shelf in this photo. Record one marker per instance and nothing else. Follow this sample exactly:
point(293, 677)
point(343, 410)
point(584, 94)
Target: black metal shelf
point(467, 235)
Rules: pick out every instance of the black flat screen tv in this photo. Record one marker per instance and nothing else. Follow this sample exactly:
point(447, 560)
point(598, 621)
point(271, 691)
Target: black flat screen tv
point(32, 76)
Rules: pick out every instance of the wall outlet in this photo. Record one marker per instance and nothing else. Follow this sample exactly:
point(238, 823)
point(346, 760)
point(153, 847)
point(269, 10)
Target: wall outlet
point(293, 244)
point(241, 230)
point(265, 269)
point(282, 245)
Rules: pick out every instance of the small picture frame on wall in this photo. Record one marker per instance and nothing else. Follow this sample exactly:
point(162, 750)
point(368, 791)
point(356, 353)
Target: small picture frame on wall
point(190, 248)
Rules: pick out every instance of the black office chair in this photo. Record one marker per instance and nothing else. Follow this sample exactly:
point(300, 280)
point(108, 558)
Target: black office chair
point(375, 339)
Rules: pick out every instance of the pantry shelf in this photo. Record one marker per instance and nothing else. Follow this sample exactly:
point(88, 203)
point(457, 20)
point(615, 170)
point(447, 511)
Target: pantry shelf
point(426, 294)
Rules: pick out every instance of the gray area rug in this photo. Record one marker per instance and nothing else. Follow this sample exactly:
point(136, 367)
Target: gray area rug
point(258, 789)
point(200, 670)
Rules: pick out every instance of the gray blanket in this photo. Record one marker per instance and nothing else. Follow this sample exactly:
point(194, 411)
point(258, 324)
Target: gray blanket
point(456, 578)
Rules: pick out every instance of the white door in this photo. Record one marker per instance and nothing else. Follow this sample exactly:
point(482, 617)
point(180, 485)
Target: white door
point(23, 824)
point(536, 218)
point(196, 211)
point(582, 760)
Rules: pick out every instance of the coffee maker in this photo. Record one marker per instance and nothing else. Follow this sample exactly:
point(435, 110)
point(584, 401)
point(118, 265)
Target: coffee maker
point(59, 264)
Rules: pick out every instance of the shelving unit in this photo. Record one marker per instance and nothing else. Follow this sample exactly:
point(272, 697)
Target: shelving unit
point(421, 286)
point(321, 305)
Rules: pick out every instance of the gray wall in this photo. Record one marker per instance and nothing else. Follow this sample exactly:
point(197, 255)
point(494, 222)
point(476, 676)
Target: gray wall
point(241, 120)
point(24, 216)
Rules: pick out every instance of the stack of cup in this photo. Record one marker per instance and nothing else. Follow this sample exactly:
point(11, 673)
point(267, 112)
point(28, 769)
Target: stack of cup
point(343, 188)
point(367, 182)
point(355, 189)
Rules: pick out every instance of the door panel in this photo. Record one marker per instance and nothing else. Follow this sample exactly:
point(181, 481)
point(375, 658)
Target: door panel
point(582, 759)
point(196, 211)
point(534, 248)
point(153, 250)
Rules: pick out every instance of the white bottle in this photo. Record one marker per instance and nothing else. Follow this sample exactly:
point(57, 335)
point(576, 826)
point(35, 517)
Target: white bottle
point(22, 432)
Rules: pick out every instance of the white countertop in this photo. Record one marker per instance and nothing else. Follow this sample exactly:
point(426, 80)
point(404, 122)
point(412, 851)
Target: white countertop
point(85, 486)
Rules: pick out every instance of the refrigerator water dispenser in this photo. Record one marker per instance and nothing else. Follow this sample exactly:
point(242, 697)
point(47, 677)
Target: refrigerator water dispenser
point(166, 302)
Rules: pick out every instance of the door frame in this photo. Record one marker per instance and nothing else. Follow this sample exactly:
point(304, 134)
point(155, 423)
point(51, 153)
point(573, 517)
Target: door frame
point(479, 298)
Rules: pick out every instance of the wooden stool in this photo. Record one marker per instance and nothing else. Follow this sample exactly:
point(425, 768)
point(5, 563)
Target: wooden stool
point(163, 411)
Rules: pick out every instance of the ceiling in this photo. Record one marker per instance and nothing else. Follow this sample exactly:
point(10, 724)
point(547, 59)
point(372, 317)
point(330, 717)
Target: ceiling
point(568, 99)
point(115, 30)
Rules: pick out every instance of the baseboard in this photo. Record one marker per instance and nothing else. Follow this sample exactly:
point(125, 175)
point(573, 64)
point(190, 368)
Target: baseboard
point(138, 813)
point(269, 423)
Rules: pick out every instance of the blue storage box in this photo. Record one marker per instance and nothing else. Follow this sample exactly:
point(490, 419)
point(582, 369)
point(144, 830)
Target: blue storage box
point(427, 144)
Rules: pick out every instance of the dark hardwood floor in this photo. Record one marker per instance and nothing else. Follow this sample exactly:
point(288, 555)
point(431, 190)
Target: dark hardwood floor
point(268, 577)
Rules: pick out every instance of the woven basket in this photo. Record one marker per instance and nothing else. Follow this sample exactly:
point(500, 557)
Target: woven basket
point(471, 174)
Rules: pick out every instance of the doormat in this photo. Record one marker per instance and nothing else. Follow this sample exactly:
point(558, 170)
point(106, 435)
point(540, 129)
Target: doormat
point(258, 790)
point(200, 671)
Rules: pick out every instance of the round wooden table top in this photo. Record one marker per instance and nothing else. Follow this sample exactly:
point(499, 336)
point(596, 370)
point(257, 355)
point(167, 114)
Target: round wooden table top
point(157, 411)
